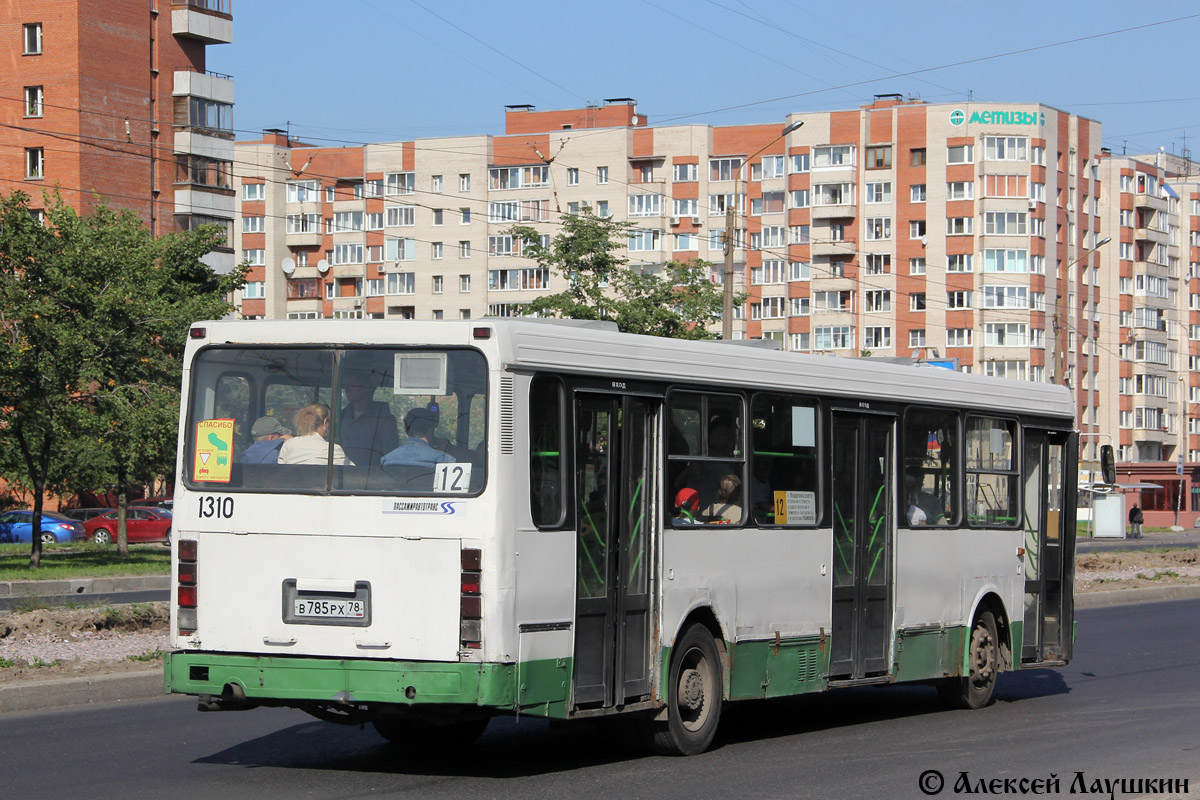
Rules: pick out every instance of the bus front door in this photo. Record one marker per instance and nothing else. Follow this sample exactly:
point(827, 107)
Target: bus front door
point(614, 468)
point(863, 505)
point(1049, 549)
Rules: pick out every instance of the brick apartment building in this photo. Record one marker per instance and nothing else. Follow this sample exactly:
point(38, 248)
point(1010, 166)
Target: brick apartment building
point(113, 99)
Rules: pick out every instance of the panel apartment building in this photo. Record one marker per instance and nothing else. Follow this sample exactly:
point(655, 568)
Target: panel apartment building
point(956, 232)
point(113, 99)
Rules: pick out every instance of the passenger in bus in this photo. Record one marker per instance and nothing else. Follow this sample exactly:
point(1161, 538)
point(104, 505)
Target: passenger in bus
point(706, 476)
point(728, 507)
point(310, 446)
point(419, 424)
point(269, 435)
point(923, 508)
point(761, 498)
point(366, 426)
point(687, 506)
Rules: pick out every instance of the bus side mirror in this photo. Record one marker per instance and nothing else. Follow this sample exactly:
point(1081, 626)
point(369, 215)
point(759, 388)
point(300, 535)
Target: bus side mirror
point(1108, 465)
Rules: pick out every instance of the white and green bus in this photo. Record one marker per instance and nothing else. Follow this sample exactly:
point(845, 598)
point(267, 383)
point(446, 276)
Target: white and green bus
point(597, 523)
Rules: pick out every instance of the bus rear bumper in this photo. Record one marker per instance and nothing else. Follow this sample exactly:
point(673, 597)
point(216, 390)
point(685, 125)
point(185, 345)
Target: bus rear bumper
point(272, 680)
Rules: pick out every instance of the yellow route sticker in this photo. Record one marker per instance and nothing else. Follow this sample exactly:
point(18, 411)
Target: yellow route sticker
point(214, 451)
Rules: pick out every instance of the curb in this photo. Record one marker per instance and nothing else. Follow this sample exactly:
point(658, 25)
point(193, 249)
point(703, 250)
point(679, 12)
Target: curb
point(69, 692)
point(83, 586)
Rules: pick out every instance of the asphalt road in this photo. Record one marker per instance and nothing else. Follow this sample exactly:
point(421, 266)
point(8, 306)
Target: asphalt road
point(1127, 707)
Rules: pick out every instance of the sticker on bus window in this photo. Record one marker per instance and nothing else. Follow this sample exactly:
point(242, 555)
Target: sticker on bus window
point(452, 476)
point(214, 451)
point(795, 508)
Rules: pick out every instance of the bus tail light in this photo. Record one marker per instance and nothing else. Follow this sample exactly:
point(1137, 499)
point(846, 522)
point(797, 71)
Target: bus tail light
point(185, 587)
point(471, 600)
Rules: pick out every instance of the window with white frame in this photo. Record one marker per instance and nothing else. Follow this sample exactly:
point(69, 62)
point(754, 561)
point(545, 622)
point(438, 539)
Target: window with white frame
point(877, 264)
point(1005, 148)
point(503, 246)
point(254, 191)
point(400, 216)
point(303, 223)
point(769, 203)
point(877, 336)
point(877, 228)
point(958, 337)
point(771, 271)
point(916, 302)
point(768, 308)
point(254, 290)
point(1005, 261)
point(835, 155)
point(1006, 296)
point(345, 221)
point(960, 154)
point(1005, 334)
point(960, 190)
point(770, 236)
point(842, 300)
point(644, 240)
point(833, 337)
point(1013, 370)
point(401, 283)
point(515, 280)
point(877, 300)
point(437, 250)
point(719, 203)
point(916, 337)
point(256, 257)
point(303, 191)
point(601, 175)
point(399, 183)
point(1005, 223)
point(348, 253)
point(572, 176)
point(531, 177)
point(799, 198)
point(917, 266)
point(375, 287)
point(799, 306)
point(399, 249)
point(959, 226)
point(956, 300)
point(799, 234)
point(253, 224)
point(32, 38)
point(833, 194)
point(724, 169)
point(799, 271)
point(916, 228)
point(685, 208)
point(685, 173)
point(799, 162)
point(879, 192)
point(464, 216)
point(916, 193)
point(686, 241)
point(645, 205)
point(799, 342)
point(34, 101)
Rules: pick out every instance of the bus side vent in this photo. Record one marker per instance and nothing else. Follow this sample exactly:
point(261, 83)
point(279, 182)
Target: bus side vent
point(808, 667)
point(507, 421)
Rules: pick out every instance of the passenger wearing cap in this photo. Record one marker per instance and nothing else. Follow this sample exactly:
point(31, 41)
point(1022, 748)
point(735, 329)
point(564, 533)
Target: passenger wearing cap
point(366, 427)
point(269, 436)
point(419, 424)
point(687, 505)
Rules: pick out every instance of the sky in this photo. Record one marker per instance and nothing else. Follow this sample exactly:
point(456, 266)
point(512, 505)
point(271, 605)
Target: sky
point(356, 71)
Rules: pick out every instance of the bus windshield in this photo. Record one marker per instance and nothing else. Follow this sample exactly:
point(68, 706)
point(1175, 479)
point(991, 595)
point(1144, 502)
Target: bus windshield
point(301, 419)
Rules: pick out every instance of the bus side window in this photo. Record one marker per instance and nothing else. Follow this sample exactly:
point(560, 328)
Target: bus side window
point(547, 452)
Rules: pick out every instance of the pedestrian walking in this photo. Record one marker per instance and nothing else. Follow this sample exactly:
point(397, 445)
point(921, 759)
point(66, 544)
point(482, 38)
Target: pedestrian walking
point(1135, 522)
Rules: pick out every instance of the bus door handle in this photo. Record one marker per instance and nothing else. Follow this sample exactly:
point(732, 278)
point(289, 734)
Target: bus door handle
point(279, 642)
point(373, 645)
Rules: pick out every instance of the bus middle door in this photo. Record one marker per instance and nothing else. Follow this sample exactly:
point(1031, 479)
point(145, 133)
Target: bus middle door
point(614, 469)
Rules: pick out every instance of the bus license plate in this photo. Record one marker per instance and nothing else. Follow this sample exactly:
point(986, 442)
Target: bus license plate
point(329, 609)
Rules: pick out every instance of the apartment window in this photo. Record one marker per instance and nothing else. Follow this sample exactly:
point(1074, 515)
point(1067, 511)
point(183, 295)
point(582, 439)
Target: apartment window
point(960, 190)
point(719, 203)
point(800, 234)
point(254, 191)
point(572, 176)
point(646, 173)
point(204, 113)
point(464, 249)
point(958, 299)
point(33, 101)
point(771, 271)
point(800, 198)
point(202, 171)
point(255, 258)
point(1005, 334)
point(1005, 148)
point(645, 205)
point(437, 250)
point(916, 337)
point(350, 253)
point(769, 308)
point(916, 229)
point(513, 280)
point(399, 183)
point(916, 157)
point(916, 301)
point(642, 240)
point(800, 342)
point(601, 175)
point(960, 154)
point(303, 191)
point(436, 184)
point(33, 39)
point(464, 215)
point(916, 193)
point(834, 301)
point(345, 221)
point(724, 169)
point(799, 306)
point(833, 194)
point(1005, 223)
point(401, 283)
point(1014, 370)
point(464, 313)
point(253, 224)
point(254, 290)
point(916, 266)
point(1005, 261)
point(330, 194)
point(375, 287)
point(800, 162)
point(878, 300)
point(959, 263)
point(878, 264)
point(686, 241)
point(401, 216)
point(374, 253)
point(834, 337)
point(769, 203)
point(959, 226)
point(958, 337)
point(879, 192)
point(303, 223)
point(878, 157)
point(769, 236)
point(837, 155)
point(464, 181)
point(464, 284)
point(503, 246)
point(1010, 186)
point(1006, 297)
point(877, 336)
point(878, 228)
point(375, 221)
point(437, 216)
point(686, 208)
point(685, 173)
point(35, 165)
point(602, 209)
point(770, 167)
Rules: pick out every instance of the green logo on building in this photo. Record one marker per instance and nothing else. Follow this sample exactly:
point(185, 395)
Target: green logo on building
point(958, 117)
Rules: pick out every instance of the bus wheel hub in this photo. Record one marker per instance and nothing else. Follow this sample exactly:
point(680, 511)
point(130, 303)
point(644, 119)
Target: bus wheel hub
point(692, 689)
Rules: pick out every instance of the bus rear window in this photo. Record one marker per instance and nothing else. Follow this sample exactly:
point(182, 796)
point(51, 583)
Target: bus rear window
point(319, 419)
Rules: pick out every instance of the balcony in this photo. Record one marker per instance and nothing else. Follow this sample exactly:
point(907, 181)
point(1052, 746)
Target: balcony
point(209, 85)
point(1150, 201)
point(1151, 235)
point(209, 21)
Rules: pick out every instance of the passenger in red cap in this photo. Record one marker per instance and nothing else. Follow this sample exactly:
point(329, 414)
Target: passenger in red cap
point(687, 503)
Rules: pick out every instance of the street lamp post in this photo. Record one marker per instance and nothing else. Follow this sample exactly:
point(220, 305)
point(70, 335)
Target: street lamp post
point(730, 222)
point(1094, 346)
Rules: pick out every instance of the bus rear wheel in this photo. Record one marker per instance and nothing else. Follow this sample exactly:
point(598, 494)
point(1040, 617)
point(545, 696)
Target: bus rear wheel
point(694, 689)
point(974, 690)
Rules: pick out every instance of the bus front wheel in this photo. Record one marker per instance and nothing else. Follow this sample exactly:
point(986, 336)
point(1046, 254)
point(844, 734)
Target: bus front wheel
point(694, 690)
point(974, 690)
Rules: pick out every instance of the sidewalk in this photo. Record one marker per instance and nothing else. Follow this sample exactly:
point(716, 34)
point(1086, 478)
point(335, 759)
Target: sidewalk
point(1150, 540)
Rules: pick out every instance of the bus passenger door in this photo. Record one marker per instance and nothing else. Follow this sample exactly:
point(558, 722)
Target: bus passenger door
point(614, 468)
point(863, 502)
point(1049, 548)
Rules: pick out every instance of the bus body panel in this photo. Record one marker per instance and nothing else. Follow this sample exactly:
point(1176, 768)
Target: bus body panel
point(924, 559)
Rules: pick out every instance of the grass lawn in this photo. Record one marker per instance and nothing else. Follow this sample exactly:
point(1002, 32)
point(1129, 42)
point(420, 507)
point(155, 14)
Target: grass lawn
point(65, 561)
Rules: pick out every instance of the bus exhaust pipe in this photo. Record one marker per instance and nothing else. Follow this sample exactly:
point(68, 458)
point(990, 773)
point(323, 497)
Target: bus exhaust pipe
point(232, 698)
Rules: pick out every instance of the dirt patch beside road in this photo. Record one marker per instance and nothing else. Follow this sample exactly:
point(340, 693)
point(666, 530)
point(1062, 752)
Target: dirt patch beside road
point(1136, 569)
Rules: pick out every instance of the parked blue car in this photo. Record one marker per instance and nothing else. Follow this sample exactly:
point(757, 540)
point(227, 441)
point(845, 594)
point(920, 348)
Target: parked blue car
point(17, 526)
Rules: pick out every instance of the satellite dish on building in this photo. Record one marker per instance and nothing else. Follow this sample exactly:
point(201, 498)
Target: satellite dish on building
point(288, 265)
point(323, 266)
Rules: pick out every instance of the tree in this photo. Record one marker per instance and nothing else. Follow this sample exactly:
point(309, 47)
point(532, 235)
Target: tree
point(94, 313)
point(681, 302)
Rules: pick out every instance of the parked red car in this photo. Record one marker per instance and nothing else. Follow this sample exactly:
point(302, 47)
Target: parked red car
point(141, 525)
